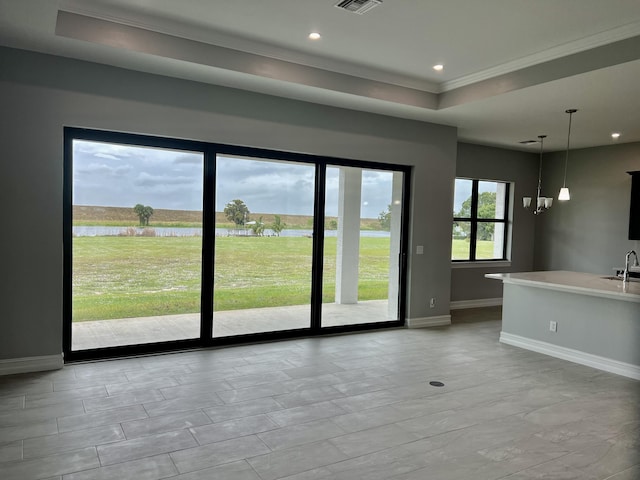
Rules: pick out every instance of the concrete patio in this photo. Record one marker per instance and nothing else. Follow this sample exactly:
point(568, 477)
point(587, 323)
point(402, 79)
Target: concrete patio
point(131, 331)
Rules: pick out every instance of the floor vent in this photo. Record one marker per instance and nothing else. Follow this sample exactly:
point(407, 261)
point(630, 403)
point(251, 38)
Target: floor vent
point(358, 6)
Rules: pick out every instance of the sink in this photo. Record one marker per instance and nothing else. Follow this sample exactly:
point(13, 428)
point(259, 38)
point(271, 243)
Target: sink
point(613, 277)
point(633, 272)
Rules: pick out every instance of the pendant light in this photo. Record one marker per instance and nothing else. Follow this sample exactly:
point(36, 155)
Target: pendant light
point(542, 203)
point(564, 191)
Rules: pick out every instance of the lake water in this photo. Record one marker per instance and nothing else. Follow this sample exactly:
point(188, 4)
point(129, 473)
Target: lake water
point(79, 231)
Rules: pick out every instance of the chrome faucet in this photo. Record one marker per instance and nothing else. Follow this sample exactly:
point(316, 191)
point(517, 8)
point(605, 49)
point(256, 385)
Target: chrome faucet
point(627, 257)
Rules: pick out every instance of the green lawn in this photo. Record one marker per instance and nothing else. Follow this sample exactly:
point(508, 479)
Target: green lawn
point(121, 277)
point(460, 249)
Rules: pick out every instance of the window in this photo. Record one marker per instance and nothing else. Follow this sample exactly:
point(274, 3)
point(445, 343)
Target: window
point(480, 220)
point(171, 244)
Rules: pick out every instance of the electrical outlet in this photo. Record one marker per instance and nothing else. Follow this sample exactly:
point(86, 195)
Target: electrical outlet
point(553, 326)
point(432, 302)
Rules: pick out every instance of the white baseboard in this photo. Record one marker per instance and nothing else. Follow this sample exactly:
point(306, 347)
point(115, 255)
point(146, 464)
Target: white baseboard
point(477, 303)
point(31, 364)
point(575, 356)
point(423, 322)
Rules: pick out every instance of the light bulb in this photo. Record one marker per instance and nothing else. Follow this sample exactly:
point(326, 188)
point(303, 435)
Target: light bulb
point(564, 194)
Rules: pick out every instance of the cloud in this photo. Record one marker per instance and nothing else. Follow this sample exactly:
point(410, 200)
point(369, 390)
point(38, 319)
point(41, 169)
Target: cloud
point(112, 151)
point(145, 179)
point(103, 169)
point(106, 155)
point(94, 168)
point(266, 186)
point(123, 170)
point(189, 159)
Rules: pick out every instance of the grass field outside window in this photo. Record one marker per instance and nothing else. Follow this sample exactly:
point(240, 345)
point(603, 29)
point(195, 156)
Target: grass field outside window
point(123, 277)
point(460, 249)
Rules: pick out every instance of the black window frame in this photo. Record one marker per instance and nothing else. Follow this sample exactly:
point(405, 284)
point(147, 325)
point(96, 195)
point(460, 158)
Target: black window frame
point(474, 220)
point(210, 151)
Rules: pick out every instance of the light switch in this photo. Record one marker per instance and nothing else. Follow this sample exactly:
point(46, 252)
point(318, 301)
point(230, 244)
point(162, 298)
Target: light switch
point(419, 250)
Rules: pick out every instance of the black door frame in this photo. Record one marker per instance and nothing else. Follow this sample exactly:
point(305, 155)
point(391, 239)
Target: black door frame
point(210, 152)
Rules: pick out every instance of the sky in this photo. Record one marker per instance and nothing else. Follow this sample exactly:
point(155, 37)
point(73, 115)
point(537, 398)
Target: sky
point(463, 191)
point(106, 174)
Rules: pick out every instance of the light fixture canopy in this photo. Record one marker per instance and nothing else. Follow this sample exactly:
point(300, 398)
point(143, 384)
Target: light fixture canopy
point(564, 191)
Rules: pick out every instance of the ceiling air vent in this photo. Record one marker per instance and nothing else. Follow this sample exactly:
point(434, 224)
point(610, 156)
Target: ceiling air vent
point(358, 6)
point(528, 142)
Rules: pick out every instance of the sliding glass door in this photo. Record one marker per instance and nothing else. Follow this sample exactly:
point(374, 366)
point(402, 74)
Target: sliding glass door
point(136, 243)
point(363, 231)
point(263, 245)
point(175, 244)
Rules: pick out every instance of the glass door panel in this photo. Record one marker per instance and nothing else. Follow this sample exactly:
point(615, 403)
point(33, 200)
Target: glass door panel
point(136, 246)
point(263, 245)
point(361, 266)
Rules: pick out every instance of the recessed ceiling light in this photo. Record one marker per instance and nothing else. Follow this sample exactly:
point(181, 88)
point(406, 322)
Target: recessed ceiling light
point(615, 135)
point(438, 68)
point(314, 36)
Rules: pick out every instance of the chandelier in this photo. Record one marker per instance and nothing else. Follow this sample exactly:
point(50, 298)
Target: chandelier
point(542, 203)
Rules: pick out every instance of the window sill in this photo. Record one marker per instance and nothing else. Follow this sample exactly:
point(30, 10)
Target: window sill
point(481, 264)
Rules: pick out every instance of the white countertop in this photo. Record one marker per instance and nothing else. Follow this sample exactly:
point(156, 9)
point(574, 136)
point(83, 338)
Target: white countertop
point(574, 282)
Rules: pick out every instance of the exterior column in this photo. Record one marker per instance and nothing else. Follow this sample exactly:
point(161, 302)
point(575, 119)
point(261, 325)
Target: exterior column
point(498, 231)
point(348, 241)
point(394, 247)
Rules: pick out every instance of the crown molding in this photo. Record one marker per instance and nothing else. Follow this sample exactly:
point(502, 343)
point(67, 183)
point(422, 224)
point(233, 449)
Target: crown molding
point(587, 43)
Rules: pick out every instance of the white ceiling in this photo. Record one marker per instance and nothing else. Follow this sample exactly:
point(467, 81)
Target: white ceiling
point(512, 67)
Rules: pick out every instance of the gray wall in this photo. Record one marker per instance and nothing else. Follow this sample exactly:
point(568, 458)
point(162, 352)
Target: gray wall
point(41, 94)
point(595, 325)
point(521, 168)
point(589, 233)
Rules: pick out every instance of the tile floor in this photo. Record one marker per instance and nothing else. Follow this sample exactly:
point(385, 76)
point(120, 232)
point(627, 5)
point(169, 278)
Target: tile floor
point(346, 407)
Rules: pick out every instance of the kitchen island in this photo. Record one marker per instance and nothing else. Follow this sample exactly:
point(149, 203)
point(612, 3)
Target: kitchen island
point(584, 318)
